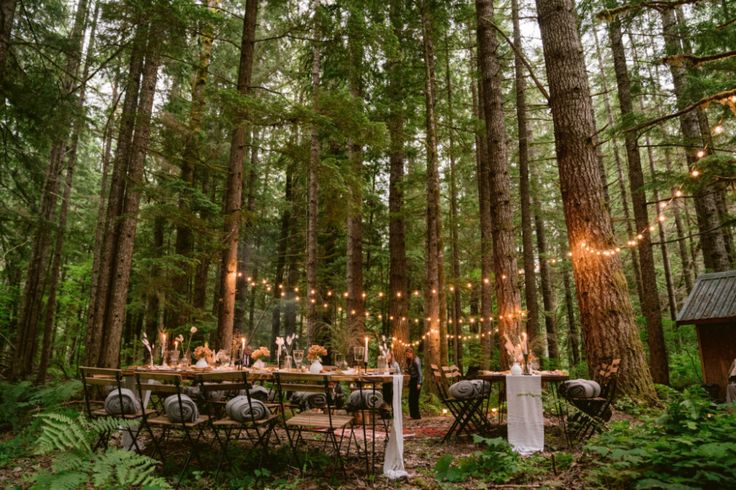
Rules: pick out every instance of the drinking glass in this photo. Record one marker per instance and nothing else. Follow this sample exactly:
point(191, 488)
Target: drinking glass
point(339, 360)
point(358, 352)
point(298, 357)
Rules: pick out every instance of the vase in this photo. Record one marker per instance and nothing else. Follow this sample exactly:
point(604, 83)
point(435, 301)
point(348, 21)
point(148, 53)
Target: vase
point(202, 363)
point(315, 367)
point(516, 369)
point(259, 364)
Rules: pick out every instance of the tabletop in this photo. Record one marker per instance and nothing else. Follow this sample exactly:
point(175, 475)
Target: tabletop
point(547, 376)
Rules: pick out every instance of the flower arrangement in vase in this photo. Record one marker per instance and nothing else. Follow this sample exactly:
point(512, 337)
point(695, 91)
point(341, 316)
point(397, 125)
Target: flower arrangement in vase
point(202, 354)
point(315, 354)
point(257, 354)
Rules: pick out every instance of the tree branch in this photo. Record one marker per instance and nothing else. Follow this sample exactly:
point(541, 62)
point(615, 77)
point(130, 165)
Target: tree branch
point(523, 59)
point(608, 14)
point(702, 102)
point(698, 60)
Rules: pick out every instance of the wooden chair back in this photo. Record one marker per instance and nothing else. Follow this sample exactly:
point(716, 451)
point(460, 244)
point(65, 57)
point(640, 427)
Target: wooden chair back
point(97, 380)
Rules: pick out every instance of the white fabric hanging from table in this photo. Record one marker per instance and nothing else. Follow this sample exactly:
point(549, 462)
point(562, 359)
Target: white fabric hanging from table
point(393, 462)
point(525, 414)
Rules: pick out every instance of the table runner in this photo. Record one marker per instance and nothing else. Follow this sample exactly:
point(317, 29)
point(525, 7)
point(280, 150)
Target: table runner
point(525, 414)
point(393, 461)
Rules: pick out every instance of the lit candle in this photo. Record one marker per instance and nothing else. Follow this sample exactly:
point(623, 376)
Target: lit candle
point(176, 345)
point(365, 351)
point(163, 343)
point(523, 344)
point(242, 348)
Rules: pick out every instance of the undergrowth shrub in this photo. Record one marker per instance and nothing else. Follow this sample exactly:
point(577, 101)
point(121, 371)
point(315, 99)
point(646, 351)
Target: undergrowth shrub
point(496, 463)
point(19, 400)
point(691, 444)
point(76, 464)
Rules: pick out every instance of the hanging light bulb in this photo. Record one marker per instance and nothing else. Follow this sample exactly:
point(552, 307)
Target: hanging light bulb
point(695, 172)
point(718, 129)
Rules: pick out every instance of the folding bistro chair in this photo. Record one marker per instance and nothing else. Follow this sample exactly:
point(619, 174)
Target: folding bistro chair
point(591, 414)
point(216, 390)
point(468, 412)
point(372, 414)
point(167, 391)
point(324, 422)
point(96, 380)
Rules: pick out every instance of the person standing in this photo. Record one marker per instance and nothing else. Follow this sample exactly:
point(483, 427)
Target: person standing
point(414, 367)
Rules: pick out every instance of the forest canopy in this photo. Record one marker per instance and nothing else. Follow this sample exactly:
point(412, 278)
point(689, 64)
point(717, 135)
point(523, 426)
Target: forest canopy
point(445, 174)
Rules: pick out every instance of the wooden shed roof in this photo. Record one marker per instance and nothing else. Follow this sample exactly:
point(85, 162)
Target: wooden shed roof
point(712, 300)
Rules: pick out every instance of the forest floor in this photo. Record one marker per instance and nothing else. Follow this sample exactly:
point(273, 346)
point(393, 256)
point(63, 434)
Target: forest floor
point(423, 447)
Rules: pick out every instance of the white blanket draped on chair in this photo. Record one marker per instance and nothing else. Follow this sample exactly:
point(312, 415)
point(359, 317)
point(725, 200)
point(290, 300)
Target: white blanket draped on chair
point(525, 414)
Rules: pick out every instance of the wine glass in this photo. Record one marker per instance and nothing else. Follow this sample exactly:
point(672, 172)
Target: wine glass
point(339, 360)
point(358, 352)
point(298, 357)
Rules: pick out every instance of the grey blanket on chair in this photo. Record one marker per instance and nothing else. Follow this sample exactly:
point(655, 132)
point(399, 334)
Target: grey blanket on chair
point(364, 400)
point(186, 412)
point(307, 399)
point(580, 388)
point(258, 392)
point(469, 388)
point(241, 410)
point(130, 403)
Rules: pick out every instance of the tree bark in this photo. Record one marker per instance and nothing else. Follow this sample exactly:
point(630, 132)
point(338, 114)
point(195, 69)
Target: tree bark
point(548, 299)
point(313, 189)
point(356, 300)
point(398, 282)
point(234, 188)
point(607, 317)
point(650, 305)
point(100, 294)
point(454, 241)
point(190, 159)
point(433, 216)
point(505, 269)
point(7, 14)
point(115, 317)
point(573, 335)
point(713, 242)
point(35, 287)
point(483, 157)
point(536, 338)
point(619, 170)
point(78, 126)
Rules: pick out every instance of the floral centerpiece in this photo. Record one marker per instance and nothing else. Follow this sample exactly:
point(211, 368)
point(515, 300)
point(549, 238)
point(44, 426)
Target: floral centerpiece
point(314, 354)
point(203, 354)
point(257, 354)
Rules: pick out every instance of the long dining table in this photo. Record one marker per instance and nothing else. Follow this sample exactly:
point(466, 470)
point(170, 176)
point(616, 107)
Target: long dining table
point(393, 466)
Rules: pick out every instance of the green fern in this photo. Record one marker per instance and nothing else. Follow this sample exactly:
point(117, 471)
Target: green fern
point(76, 465)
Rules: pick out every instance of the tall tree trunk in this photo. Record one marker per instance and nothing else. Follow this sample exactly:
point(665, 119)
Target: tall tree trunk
point(454, 241)
point(530, 279)
point(7, 14)
point(619, 169)
point(505, 269)
point(283, 247)
point(234, 189)
point(35, 287)
point(548, 299)
point(607, 317)
point(356, 298)
point(433, 249)
point(100, 294)
point(573, 335)
point(398, 282)
point(713, 242)
point(651, 307)
point(115, 317)
point(78, 126)
point(313, 189)
point(483, 158)
point(190, 159)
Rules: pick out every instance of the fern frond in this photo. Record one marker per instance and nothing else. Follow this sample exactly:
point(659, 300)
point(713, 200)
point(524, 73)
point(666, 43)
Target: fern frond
point(62, 433)
point(125, 469)
point(61, 481)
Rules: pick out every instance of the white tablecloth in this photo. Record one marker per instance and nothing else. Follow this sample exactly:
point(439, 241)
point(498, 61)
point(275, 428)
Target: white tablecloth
point(525, 414)
point(393, 462)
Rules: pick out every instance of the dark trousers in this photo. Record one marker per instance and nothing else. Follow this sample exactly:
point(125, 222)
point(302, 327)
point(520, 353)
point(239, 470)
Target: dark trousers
point(414, 399)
